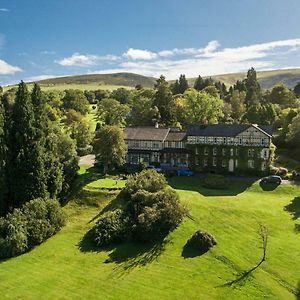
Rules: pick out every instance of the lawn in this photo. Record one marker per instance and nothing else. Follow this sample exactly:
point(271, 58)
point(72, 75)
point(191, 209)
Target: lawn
point(68, 266)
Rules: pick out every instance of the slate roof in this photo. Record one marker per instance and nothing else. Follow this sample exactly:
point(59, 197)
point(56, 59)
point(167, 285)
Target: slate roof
point(225, 130)
point(176, 136)
point(146, 133)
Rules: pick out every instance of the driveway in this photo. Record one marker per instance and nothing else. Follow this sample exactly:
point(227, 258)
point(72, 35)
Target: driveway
point(87, 160)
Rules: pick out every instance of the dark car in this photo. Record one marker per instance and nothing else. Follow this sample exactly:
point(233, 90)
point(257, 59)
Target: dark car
point(185, 172)
point(271, 179)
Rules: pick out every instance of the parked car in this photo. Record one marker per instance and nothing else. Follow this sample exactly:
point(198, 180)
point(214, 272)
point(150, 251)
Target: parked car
point(185, 172)
point(272, 179)
point(157, 169)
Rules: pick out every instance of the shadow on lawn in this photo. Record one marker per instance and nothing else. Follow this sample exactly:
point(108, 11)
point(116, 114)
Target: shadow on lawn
point(188, 252)
point(294, 208)
point(195, 184)
point(298, 291)
point(126, 256)
point(90, 175)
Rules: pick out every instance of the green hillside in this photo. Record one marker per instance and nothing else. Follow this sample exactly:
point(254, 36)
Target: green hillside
point(115, 79)
point(267, 79)
point(68, 266)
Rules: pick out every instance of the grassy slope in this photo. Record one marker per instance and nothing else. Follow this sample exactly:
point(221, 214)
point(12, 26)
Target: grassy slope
point(58, 269)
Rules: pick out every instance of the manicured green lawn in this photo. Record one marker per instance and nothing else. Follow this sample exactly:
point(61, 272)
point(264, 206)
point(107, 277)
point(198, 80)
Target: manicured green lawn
point(67, 266)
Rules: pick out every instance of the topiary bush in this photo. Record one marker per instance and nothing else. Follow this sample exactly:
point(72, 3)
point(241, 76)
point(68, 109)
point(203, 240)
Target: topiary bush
point(112, 227)
point(201, 241)
point(29, 226)
point(216, 182)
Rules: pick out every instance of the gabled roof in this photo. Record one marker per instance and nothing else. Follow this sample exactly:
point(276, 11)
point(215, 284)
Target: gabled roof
point(225, 130)
point(146, 133)
point(176, 136)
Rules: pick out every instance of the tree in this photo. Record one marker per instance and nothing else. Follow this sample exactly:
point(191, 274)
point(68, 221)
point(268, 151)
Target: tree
point(27, 173)
point(75, 99)
point(238, 106)
point(199, 84)
point(109, 146)
point(212, 90)
point(124, 96)
point(163, 100)
point(293, 135)
point(297, 89)
point(202, 107)
point(281, 95)
point(183, 84)
point(253, 90)
point(175, 88)
point(112, 112)
point(3, 158)
point(90, 96)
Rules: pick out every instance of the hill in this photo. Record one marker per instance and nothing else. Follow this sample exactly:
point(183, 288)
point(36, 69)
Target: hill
point(267, 79)
point(68, 266)
point(115, 79)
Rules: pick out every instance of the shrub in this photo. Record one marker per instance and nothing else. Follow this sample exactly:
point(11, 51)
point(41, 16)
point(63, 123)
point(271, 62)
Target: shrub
point(30, 225)
point(282, 171)
point(273, 170)
point(155, 214)
point(148, 180)
point(112, 227)
point(201, 241)
point(216, 182)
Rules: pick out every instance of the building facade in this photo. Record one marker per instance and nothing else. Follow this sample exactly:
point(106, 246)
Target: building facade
point(220, 148)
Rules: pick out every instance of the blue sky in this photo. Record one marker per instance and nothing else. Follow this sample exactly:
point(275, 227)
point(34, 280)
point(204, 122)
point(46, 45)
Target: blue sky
point(40, 39)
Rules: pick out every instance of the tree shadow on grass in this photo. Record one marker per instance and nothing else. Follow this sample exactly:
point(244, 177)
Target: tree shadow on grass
point(189, 252)
point(298, 291)
point(294, 209)
point(126, 256)
point(297, 228)
point(195, 184)
point(90, 175)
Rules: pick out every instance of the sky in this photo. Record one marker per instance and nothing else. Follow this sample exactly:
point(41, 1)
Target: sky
point(44, 39)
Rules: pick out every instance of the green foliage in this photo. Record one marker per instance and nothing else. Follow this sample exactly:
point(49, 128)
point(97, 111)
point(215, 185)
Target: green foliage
point(112, 112)
point(109, 146)
point(147, 180)
point(201, 241)
point(75, 99)
point(124, 96)
point(281, 95)
point(218, 182)
point(293, 135)
point(111, 227)
point(155, 214)
point(29, 226)
point(201, 107)
point(150, 213)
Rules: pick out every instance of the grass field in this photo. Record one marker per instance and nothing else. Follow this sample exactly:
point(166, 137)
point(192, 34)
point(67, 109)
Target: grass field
point(68, 266)
point(82, 87)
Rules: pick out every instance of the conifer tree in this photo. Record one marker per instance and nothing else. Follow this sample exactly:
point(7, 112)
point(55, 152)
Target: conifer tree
point(47, 140)
point(183, 84)
point(175, 88)
point(26, 170)
point(199, 84)
point(253, 89)
point(3, 158)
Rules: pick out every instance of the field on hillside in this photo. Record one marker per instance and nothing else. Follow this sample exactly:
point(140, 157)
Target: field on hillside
point(82, 87)
point(68, 266)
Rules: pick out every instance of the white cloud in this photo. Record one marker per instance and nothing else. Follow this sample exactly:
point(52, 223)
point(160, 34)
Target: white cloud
point(78, 59)
point(7, 69)
point(47, 52)
point(4, 9)
point(211, 59)
point(82, 60)
point(138, 54)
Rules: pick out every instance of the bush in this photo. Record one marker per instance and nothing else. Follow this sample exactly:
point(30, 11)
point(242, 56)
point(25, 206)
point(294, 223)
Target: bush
point(112, 227)
point(150, 213)
point(216, 182)
point(155, 214)
point(148, 180)
point(201, 241)
point(273, 170)
point(30, 225)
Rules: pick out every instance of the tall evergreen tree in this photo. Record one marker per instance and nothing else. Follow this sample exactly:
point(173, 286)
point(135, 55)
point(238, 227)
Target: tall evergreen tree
point(175, 88)
point(253, 89)
point(163, 100)
point(199, 84)
point(183, 84)
point(26, 165)
point(3, 158)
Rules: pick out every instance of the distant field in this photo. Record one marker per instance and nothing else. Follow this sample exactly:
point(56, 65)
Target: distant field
point(82, 87)
point(68, 266)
